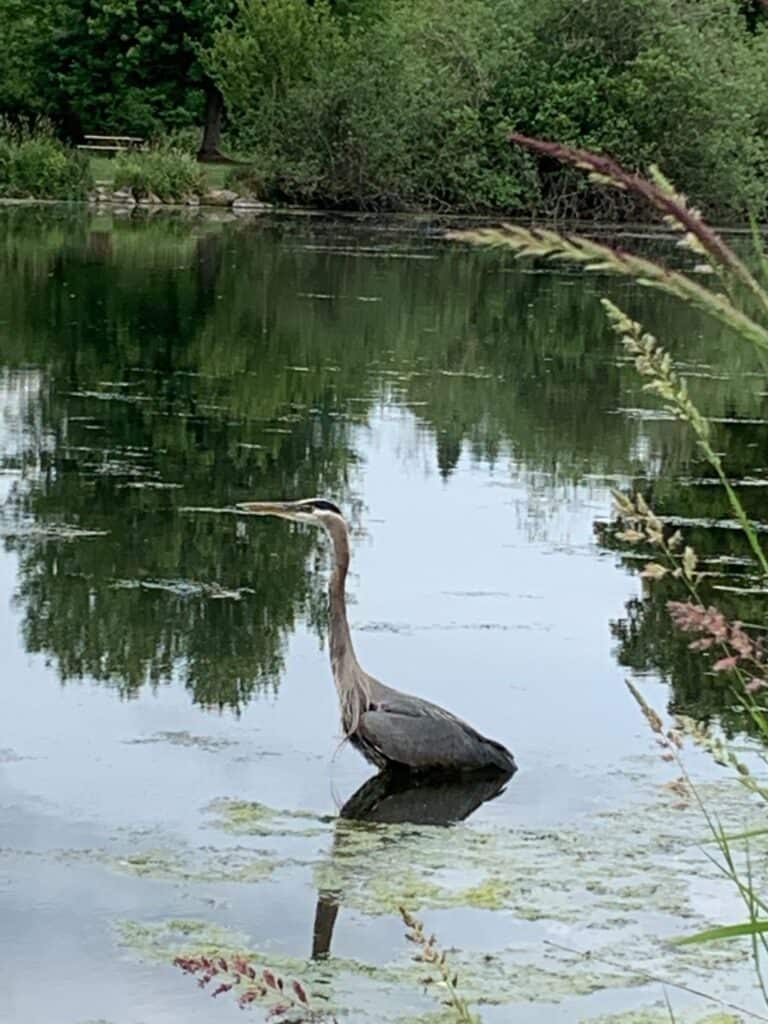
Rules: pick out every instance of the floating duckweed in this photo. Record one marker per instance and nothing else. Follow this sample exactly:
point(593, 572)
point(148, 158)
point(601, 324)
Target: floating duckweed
point(660, 1015)
point(624, 864)
point(245, 817)
point(229, 865)
point(438, 1017)
point(212, 744)
point(491, 894)
point(163, 940)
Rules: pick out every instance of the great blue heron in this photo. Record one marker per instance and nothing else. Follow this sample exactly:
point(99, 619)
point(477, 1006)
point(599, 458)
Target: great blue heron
point(391, 729)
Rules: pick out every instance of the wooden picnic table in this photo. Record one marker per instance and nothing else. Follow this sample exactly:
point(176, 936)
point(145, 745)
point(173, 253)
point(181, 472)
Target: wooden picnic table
point(112, 143)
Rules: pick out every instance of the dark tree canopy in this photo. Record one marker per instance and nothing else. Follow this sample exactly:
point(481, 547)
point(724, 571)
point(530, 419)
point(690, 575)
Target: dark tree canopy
point(125, 66)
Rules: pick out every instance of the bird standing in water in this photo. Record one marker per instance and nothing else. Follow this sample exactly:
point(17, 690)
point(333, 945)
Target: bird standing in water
point(395, 731)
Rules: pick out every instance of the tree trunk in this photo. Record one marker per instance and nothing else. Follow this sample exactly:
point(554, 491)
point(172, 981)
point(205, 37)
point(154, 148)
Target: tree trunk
point(755, 11)
point(214, 115)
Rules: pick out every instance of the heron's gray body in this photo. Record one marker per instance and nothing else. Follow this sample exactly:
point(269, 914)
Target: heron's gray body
point(392, 730)
point(406, 732)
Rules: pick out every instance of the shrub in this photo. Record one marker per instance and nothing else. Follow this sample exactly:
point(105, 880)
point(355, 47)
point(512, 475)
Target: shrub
point(185, 139)
point(35, 164)
point(681, 85)
point(384, 111)
point(402, 104)
point(247, 180)
point(169, 173)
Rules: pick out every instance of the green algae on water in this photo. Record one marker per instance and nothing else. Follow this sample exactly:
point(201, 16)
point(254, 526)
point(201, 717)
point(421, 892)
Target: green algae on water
point(660, 1015)
point(164, 940)
point(211, 744)
point(246, 817)
point(617, 885)
point(183, 865)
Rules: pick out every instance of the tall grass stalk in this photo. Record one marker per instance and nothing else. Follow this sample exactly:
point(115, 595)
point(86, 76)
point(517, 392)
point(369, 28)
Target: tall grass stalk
point(440, 971)
point(741, 304)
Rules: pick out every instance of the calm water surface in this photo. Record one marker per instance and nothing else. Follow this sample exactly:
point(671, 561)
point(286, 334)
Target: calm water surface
point(170, 765)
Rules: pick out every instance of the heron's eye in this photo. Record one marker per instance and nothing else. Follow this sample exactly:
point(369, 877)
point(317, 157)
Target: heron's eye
point(321, 505)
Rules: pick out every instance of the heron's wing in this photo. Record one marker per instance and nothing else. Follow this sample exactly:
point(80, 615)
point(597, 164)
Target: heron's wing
point(422, 737)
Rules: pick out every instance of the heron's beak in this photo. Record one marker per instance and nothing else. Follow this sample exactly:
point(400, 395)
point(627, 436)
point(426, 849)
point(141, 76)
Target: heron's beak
point(267, 508)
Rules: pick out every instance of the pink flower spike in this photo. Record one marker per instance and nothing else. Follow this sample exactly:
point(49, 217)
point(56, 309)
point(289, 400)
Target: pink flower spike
point(740, 641)
point(301, 995)
point(725, 664)
point(701, 645)
point(755, 684)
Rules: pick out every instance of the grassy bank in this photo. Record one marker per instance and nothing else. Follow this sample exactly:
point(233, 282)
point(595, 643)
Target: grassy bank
point(103, 172)
point(34, 164)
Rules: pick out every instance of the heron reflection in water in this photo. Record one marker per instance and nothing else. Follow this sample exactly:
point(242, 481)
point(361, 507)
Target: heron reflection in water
point(393, 730)
point(390, 799)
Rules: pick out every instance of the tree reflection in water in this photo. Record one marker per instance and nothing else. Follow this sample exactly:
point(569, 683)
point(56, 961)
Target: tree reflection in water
point(185, 364)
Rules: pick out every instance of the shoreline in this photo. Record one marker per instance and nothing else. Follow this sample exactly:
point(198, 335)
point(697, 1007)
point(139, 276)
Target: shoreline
point(413, 219)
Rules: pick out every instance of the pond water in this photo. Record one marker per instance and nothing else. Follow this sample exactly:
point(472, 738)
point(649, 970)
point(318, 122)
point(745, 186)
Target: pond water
point(171, 771)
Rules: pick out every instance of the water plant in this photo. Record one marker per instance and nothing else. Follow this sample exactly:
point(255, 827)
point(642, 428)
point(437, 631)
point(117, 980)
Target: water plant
point(290, 1002)
point(736, 650)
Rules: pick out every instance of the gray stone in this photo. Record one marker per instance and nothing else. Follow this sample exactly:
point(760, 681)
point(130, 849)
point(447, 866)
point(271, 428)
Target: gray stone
point(219, 197)
point(123, 196)
point(192, 200)
point(250, 203)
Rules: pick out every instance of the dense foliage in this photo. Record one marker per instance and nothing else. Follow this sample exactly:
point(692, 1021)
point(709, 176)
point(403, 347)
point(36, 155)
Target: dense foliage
point(129, 66)
point(33, 163)
point(374, 111)
point(412, 104)
point(391, 104)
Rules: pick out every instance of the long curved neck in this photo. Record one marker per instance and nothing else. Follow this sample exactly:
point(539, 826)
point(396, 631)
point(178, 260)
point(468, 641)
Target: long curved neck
point(343, 657)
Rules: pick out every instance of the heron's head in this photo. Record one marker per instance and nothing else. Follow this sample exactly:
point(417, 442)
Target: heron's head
point(317, 511)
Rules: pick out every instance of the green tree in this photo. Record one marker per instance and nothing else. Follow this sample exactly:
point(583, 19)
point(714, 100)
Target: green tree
point(127, 66)
point(20, 63)
point(412, 104)
point(381, 108)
